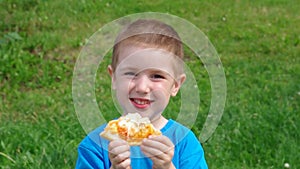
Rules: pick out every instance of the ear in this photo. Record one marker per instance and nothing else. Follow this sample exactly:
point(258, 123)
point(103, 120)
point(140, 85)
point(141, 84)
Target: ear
point(177, 84)
point(111, 73)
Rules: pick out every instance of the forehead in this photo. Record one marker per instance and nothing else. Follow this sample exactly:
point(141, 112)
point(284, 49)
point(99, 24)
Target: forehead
point(140, 58)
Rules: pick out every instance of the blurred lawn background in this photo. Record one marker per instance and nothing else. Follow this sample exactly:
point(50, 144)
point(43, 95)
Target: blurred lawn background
point(257, 41)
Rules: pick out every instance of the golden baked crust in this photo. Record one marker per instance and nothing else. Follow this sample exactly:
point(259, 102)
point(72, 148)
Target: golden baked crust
point(131, 128)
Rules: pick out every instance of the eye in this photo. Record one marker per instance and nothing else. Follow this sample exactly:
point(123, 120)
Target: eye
point(157, 76)
point(129, 74)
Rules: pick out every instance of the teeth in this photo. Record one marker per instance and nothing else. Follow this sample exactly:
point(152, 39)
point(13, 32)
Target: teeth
point(141, 102)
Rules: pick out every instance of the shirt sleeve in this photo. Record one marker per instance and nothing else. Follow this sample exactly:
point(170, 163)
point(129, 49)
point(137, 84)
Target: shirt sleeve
point(192, 154)
point(89, 156)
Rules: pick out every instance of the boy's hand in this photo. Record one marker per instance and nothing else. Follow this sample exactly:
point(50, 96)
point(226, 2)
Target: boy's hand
point(160, 150)
point(119, 154)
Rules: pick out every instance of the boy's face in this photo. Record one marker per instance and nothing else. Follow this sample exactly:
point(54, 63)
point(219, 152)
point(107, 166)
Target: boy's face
point(144, 80)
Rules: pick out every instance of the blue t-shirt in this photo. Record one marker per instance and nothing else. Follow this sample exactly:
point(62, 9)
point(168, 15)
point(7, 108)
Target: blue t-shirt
point(188, 153)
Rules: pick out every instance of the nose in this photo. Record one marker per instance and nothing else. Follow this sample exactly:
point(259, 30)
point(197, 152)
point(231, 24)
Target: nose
point(142, 84)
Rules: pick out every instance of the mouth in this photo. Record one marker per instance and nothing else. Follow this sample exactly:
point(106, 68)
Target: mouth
point(140, 103)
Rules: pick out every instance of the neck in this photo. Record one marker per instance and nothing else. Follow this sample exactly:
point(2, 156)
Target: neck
point(159, 122)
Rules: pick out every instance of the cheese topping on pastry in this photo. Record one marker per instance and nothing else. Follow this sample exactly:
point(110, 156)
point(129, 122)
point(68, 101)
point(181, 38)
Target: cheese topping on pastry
point(132, 128)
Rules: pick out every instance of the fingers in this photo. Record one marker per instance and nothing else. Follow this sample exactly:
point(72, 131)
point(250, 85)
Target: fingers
point(123, 165)
point(162, 139)
point(119, 154)
point(160, 150)
point(118, 146)
point(158, 146)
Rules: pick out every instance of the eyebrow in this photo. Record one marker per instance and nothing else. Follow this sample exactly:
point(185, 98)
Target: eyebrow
point(127, 69)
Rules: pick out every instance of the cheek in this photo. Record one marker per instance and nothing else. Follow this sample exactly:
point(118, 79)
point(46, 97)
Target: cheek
point(166, 87)
point(162, 99)
point(124, 85)
point(163, 90)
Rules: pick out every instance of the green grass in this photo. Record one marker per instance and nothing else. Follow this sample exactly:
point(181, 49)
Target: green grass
point(257, 41)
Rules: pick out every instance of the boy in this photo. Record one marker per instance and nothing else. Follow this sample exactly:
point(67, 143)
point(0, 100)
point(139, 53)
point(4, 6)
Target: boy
point(146, 70)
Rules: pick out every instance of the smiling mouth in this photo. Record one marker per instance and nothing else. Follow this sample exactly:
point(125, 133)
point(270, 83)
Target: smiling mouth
point(140, 103)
